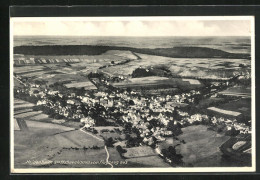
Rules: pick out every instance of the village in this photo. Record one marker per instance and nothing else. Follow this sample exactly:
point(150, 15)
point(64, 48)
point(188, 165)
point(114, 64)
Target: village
point(139, 117)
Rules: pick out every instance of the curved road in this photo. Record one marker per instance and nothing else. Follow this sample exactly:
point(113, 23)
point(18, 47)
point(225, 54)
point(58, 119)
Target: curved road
point(81, 129)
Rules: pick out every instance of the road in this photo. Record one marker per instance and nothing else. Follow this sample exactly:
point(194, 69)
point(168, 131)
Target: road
point(107, 159)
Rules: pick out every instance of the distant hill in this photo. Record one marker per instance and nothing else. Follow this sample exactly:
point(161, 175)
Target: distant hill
point(176, 52)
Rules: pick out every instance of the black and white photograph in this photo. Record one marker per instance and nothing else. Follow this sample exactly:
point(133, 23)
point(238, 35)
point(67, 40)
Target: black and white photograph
point(132, 94)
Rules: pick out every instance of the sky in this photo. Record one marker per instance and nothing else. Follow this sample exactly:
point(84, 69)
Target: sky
point(134, 28)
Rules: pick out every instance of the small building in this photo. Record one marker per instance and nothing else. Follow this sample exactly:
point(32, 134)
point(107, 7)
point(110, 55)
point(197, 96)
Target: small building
point(88, 121)
point(70, 101)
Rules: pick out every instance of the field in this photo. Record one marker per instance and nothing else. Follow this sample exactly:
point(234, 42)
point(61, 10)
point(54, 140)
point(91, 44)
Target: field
point(224, 111)
point(21, 105)
point(33, 74)
point(51, 72)
point(75, 139)
point(201, 147)
point(86, 85)
point(53, 78)
point(141, 151)
point(159, 82)
point(46, 138)
point(91, 159)
point(151, 161)
point(36, 145)
point(28, 145)
point(109, 131)
point(169, 141)
point(17, 84)
point(135, 162)
point(209, 101)
point(113, 63)
point(212, 68)
point(26, 69)
point(243, 106)
point(237, 91)
point(105, 59)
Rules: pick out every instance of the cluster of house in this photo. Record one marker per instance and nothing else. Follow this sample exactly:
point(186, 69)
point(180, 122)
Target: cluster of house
point(228, 123)
point(143, 112)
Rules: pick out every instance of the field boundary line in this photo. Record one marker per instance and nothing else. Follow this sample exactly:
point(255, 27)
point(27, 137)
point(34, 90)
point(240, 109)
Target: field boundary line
point(81, 129)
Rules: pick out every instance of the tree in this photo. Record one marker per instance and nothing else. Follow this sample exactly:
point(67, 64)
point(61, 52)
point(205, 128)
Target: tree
point(109, 142)
point(131, 102)
point(232, 132)
point(120, 149)
point(170, 153)
point(176, 129)
point(141, 72)
point(128, 127)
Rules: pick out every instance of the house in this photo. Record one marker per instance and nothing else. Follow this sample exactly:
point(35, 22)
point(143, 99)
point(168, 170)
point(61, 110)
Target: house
point(53, 92)
point(88, 122)
point(70, 101)
point(41, 102)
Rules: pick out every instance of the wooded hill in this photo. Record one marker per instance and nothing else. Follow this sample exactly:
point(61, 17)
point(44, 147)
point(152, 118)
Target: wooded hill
point(176, 52)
